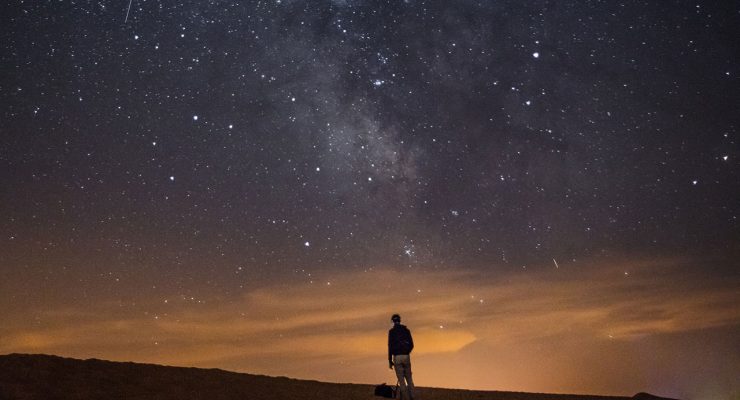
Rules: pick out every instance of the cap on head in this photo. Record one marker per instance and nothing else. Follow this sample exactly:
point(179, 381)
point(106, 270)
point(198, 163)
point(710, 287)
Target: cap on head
point(396, 318)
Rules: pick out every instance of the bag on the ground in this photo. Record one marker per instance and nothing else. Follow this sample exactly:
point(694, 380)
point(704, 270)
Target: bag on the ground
point(384, 390)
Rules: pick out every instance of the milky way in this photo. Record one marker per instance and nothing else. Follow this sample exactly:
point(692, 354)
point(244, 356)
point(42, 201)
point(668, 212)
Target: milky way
point(180, 154)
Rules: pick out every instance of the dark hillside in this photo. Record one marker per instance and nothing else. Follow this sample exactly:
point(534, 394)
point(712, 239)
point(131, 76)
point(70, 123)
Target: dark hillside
point(46, 377)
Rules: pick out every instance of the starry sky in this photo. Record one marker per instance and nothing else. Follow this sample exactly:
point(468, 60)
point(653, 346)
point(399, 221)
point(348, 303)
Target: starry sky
point(547, 192)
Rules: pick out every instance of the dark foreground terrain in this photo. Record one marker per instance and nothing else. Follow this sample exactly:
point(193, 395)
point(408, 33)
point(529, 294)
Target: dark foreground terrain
point(24, 376)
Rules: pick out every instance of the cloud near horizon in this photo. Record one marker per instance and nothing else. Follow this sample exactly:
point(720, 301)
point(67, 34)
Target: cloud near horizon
point(343, 320)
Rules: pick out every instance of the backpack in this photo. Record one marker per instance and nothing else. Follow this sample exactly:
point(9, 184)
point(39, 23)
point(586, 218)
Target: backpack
point(386, 391)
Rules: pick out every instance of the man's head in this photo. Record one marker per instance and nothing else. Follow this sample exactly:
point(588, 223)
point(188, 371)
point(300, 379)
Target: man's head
point(396, 319)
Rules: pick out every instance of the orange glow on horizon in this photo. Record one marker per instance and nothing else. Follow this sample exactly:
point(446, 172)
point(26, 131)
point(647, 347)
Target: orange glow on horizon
point(477, 332)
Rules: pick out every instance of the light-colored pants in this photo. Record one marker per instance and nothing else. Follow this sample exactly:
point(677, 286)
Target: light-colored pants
point(402, 365)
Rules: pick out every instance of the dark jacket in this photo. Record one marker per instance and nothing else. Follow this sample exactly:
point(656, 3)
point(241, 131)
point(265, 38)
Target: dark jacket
point(399, 341)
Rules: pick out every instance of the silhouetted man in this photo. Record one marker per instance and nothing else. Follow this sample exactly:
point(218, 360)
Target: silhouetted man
point(400, 345)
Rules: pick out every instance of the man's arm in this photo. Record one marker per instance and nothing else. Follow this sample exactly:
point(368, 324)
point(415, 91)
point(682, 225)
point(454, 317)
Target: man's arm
point(411, 342)
point(390, 356)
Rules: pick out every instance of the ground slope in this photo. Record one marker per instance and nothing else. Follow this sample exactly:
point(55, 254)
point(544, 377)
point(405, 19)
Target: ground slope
point(24, 376)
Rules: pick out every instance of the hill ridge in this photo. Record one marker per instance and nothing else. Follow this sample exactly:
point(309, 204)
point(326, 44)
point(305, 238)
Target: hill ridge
point(42, 376)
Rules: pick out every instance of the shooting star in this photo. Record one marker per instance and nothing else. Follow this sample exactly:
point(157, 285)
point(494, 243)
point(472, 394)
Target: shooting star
point(128, 11)
point(556, 264)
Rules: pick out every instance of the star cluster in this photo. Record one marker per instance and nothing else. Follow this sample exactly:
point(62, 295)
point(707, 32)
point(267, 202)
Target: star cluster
point(196, 151)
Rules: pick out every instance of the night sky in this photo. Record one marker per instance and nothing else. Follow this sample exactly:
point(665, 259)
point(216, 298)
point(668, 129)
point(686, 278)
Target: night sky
point(546, 191)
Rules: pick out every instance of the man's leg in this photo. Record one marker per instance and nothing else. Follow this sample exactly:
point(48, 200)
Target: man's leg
point(407, 375)
point(400, 372)
point(403, 373)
